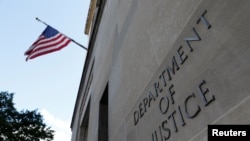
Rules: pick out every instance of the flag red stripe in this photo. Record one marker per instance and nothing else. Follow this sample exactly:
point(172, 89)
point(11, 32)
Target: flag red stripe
point(48, 45)
point(42, 41)
point(33, 46)
point(38, 40)
point(45, 40)
point(36, 54)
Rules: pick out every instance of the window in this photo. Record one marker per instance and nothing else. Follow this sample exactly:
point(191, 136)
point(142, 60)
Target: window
point(103, 117)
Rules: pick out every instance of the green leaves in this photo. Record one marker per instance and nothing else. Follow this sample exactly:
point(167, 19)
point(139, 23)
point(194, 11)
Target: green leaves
point(21, 126)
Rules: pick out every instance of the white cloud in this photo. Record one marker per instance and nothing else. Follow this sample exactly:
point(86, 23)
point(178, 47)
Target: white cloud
point(62, 128)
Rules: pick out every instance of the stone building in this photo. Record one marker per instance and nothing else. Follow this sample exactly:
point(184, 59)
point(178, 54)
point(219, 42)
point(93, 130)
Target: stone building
point(161, 70)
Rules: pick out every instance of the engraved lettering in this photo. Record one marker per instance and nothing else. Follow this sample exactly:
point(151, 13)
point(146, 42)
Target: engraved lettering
point(174, 68)
point(203, 92)
point(191, 39)
point(186, 107)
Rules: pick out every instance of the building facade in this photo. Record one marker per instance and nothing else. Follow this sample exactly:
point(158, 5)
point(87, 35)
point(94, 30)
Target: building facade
point(163, 70)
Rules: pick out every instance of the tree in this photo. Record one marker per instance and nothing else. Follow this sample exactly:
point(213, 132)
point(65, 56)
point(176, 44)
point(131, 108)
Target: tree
point(21, 126)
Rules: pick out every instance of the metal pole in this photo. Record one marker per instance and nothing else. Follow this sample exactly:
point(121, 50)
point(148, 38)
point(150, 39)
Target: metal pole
point(63, 34)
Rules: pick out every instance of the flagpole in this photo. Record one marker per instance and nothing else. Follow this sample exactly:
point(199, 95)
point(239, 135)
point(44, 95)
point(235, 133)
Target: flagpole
point(63, 34)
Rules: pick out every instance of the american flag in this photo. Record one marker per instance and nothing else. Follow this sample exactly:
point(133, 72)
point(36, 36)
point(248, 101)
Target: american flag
point(49, 41)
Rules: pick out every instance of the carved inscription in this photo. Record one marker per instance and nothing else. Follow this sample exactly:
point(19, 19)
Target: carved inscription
point(163, 83)
point(184, 111)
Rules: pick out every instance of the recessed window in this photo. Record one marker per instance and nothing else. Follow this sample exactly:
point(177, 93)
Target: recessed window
point(103, 117)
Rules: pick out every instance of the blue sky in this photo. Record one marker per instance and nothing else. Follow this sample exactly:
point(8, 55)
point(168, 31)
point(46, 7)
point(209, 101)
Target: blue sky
point(50, 82)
